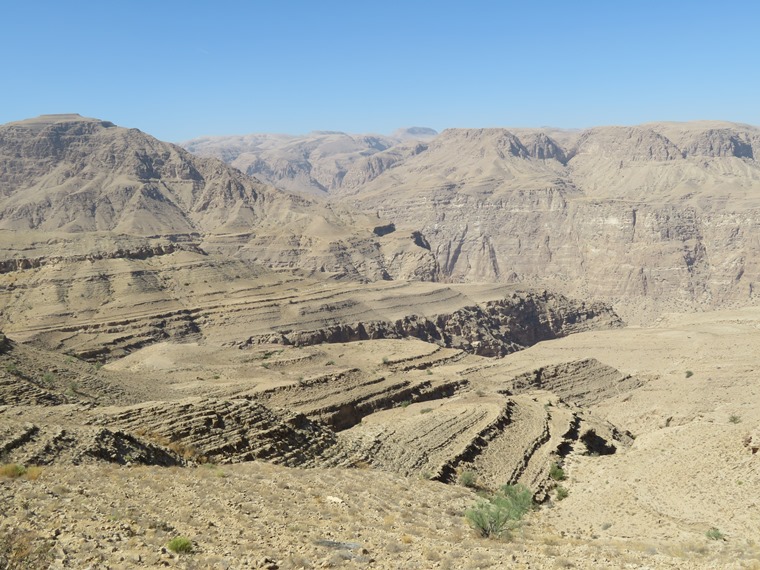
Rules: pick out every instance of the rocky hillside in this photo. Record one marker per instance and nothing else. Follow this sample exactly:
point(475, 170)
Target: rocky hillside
point(386, 436)
point(73, 175)
point(663, 212)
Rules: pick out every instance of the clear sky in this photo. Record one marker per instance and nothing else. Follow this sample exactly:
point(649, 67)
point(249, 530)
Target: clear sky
point(180, 69)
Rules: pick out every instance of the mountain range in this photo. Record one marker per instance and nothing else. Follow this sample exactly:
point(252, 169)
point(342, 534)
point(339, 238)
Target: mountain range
point(394, 333)
point(660, 213)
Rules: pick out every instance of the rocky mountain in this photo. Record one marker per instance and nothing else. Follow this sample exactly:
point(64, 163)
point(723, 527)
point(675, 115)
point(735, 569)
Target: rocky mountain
point(316, 163)
point(74, 176)
point(659, 215)
point(665, 212)
point(191, 352)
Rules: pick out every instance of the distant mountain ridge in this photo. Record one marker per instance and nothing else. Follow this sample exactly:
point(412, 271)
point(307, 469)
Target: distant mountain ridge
point(655, 211)
point(667, 213)
point(316, 163)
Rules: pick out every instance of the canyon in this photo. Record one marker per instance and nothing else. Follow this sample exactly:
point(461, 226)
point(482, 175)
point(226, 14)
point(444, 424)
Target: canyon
point(322, 351)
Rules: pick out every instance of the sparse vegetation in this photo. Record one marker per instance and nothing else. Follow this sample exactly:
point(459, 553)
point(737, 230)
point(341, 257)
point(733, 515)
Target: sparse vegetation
point(11, 368)
point(16, 471)
point(48, 378)
point(180, 545)
point(405, 403)
point(330, 363)
point(426, 410)
point(386, 360)
point(184, 451)
point(689, 374)
point(734, 419)
point(495, 517)
point(33, 473)
point(562, 493)
point(468, 478)
point(715, 534)
point(20, 550)
point(12, 470)
point(557, 473)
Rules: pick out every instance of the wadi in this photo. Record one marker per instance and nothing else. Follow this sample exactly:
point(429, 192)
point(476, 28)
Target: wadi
point(480, 348)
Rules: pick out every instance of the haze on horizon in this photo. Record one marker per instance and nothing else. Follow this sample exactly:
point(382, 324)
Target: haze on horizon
point(179, 72)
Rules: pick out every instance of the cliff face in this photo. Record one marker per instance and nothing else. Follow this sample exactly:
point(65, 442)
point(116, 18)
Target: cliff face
point(494, 328)
point(661, 211)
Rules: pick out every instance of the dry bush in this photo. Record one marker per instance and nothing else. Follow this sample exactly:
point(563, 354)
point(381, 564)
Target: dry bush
point(33, 473)
point(12, 470)
point(21, 550)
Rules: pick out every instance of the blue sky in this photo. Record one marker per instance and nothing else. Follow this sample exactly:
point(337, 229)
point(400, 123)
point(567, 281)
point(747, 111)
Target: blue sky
point(183, 69)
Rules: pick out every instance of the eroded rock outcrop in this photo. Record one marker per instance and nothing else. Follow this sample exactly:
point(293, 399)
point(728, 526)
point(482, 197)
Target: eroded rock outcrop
point(582, 382)
point(495, 328)
point(225, 431)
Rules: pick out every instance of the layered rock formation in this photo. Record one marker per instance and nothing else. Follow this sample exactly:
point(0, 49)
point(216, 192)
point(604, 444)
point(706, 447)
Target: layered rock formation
point(662, 212)
point(495, 328)
point(66, 173)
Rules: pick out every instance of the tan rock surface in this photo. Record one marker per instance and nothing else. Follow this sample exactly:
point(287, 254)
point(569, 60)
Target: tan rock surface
point(648, 504)
point(654, 217)
point(256, 329)
point(66, 173)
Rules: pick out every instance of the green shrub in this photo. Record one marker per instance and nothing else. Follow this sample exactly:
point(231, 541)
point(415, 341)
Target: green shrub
point(734, 419)
point(180, 545)
point(562, 493)
point(426, 410)
point(689, 374)
point(501, 513)
point(468, 478)
point(557, 473)
point(48, 378)
point(714, 534)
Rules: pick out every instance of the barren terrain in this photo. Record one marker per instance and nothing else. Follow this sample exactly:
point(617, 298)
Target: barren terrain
point(333, 373)
point(643, 502)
